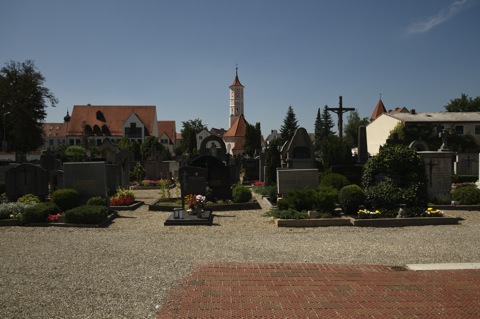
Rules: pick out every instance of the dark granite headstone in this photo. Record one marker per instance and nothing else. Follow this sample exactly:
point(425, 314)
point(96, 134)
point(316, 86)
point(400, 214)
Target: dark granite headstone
point(362, 145)
point(88, 178)
point(193, 180)
point(25, 179)
point(214, 146)
point(251, 170)
point(108, 151)
point(218, 175)
point(154, 169)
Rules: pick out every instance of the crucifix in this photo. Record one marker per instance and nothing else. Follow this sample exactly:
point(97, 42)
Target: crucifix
point(340, 110)
point(430, 165)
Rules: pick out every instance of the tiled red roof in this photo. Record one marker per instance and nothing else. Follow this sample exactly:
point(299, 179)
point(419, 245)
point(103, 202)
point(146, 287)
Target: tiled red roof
point(239, 128)
point(54, 129)
point(379, 110)
point(167, 127)
point(112, 116)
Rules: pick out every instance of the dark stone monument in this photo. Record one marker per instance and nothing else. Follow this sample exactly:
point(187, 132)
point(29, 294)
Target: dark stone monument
point(193, 180)
point(218, 175)
point(299, 153)
point(124, 160)
point(251, 167)
point(213, 145)
point(88, 178)
point(25, 179)
point(362, 145)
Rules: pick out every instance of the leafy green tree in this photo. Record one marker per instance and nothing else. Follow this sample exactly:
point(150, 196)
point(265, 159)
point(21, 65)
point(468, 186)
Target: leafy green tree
point(272, 160)
point(24, 98)
point(150, 145)
point(253, 140)
point(351, 128)
point(335, 152)
point(464, 104)
point(133, 146)
point(328, 124)
point(189, 135)
point(318, 131)
point(290, 124)
point(76, 153)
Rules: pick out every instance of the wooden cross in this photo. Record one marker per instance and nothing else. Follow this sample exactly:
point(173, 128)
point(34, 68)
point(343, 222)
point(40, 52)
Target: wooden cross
point(340, 110)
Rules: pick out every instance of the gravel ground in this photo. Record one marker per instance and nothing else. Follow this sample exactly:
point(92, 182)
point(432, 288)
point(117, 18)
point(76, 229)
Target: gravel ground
point(125, 270)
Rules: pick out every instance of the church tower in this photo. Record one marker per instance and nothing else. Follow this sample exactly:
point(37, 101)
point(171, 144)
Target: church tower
point(236, 99)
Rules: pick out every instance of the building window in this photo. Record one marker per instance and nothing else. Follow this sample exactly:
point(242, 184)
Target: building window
point(477, 129)
point(459, 129)
point(133, 131)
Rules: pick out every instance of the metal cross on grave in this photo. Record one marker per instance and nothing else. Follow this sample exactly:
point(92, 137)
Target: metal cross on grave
point(340, 110)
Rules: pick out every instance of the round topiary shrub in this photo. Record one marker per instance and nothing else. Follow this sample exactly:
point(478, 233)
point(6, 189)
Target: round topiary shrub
point(38, 213)
point(467, 195)
point(350, 198)
point(334, 180)
point(66, 198)
point(241, 194)
point(29, 199)
point(301, 199)
point(396, 175)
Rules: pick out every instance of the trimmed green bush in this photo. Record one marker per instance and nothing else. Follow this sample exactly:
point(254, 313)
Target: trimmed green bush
point(29, 199)
point(396, 175)
point(241, 194)
point(467, 195)
point(350, 198)
point(39, 213)
point(11, 209)
point(301, 199)
point(334, 180)
point(287, 214)
point(326, 199)
point(97, 200)
point(66, 198)
point(87, 214)
point(464, 178)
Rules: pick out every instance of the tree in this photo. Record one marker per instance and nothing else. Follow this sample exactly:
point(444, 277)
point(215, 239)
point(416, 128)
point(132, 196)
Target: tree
point(318, 131)
point(189, 135)
point(272, 161)
point(464, 104)
point(253, 137)
point(351, 128)
point(327, 123)
point(289, 125)
point(335, 152)
point(24, 98)
point(152, 144)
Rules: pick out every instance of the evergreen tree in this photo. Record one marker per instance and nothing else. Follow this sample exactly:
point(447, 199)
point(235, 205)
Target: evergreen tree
point(318, 131)
point(290, 124)
point(24, 99)
point(253, 137)
point(328, 124)
point(272, 161)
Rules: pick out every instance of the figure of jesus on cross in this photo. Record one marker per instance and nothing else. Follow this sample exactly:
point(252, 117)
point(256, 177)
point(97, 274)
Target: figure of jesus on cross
point(340, 110)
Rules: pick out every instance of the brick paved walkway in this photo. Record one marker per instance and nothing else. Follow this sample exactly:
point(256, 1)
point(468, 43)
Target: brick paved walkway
point(251, 290)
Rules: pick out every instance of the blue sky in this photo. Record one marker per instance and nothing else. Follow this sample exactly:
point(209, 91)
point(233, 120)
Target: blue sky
point(180, 55)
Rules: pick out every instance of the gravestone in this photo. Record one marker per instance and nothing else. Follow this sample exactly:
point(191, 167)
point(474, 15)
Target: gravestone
point(299, 152)
point(218, 175)
point(466, 164)
point(193, 180)
point(155, 169)
point(251, 167)
point(124, 160)
point(362, 145)
point(23, 179)
point(88, 178)
point(288, 179)
point(213, 145)
point(438, 167)
point(108, 151)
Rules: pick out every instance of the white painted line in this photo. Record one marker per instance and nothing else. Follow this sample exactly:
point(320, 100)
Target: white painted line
point(449, 266)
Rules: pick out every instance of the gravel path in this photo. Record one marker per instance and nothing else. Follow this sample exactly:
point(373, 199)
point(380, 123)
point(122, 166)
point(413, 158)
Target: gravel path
point(125, 270)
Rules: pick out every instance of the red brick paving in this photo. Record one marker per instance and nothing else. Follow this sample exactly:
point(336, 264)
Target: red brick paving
point(255, 290)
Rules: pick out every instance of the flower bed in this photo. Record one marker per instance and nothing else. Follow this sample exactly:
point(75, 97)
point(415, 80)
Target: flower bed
point(167, 206)
point(402, 222)
point(131, 206)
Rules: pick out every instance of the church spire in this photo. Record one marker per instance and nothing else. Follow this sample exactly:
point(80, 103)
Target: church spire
point(236, 99)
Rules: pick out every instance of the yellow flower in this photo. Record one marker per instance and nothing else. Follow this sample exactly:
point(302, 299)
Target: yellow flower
point(430, 209)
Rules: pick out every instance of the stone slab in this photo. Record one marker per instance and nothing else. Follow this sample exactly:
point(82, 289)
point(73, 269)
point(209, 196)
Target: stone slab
point(188, 220)
point(445, 266)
